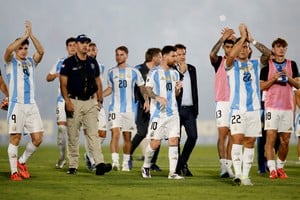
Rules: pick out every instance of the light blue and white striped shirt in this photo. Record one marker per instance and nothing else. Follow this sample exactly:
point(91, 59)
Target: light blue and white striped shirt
point(163, 84)
point(122, 82)
point(21, 80)
point(54, 70)
point(244, 85)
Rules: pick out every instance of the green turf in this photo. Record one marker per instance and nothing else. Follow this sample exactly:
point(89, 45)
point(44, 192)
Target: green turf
point(50, 183)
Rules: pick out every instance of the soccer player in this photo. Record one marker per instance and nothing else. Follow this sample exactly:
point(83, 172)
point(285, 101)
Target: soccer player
point(222, 101)
point(163, 85)
point(121, 81)
point(89, 160)
point(60, 104)
point(152, 59)
point(23, 111)
point(278, 79)
point(244, 85)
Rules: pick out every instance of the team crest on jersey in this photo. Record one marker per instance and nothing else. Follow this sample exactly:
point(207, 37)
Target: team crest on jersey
point(122, 76)
point(116, 77)
point(93, 66)
point(174, 78)
point(148, 79)
point(128, 76)
point(162, 78)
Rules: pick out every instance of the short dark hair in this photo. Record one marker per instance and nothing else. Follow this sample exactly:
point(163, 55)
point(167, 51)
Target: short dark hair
point(26, 41)
point(228, 41)
point(180, 46)
point(279, 41)
point(69, 40)
point(167, 49)
point(150, 53)
point(92, 44)
point(122, 48)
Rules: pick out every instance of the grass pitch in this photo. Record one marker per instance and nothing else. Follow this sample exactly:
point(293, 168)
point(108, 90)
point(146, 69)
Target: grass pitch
point(46, 182)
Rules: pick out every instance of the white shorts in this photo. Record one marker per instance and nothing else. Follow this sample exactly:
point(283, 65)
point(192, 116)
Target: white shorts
point(61, 112)
point(24, 117)
point(280, 120)
point(124, 121)
point(246, 122)
point(102, 120)
point(222, 113)
point(161, 128)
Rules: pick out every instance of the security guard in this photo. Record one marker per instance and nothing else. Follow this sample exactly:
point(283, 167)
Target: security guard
point(81, 88)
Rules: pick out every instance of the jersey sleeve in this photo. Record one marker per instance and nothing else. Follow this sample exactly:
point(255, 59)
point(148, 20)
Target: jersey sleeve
point(140, 81)
point(150, 79)
point(295, 70)
point(54, 68)
point(109, 78)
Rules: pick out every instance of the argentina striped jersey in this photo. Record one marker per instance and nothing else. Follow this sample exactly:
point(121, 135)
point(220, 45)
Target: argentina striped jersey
point(122, 82)
point(21, 78)
point(244, 85)
point(54, 70)
point(163, 84)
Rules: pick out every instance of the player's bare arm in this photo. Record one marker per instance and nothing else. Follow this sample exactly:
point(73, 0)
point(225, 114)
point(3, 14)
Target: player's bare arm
point(237, 46)
point(163, 101)
point(227, 33)
point(99, 91)
point(266, 52)
point(38, 55)
point(295, 82)
point(146, 98)
point(107, 92)
point(8, 55)
point(3, 87)
point(52, 77)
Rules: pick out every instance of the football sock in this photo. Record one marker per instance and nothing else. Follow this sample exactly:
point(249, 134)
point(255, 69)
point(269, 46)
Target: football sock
point(271, 165)
point(61, 140)
point(223, 165)
point(148, 156)
point(280, 163)
point(12, 151)
point(115, 157)
point(237, 156)
point(228, 163)
point(248, 157)
point(126, 158)
point(173, 158)
point(29, 150)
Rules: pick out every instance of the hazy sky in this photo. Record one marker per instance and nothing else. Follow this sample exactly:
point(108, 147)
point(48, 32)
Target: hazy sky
point(142, 24)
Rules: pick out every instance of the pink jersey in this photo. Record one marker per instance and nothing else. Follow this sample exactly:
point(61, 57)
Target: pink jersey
point(222, 91)
point(279, 97)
